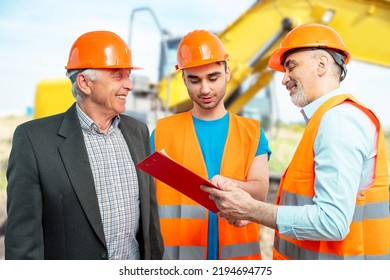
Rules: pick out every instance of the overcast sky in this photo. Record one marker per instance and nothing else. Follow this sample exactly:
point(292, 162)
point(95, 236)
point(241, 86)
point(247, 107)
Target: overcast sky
point(36, 36)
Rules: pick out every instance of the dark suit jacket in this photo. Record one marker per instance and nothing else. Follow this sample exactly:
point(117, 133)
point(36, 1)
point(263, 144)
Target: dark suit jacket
point(53, 211)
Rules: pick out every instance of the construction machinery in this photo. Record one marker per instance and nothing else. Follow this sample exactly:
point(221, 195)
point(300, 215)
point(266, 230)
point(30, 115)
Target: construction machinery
point(250, 39)
point(52, 96)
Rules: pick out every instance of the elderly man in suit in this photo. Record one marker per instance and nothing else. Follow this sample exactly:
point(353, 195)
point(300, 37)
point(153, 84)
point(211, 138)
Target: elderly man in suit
point(73, 189)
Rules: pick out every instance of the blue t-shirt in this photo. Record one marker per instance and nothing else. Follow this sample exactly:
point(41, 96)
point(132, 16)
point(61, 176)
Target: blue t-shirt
point(212, 137)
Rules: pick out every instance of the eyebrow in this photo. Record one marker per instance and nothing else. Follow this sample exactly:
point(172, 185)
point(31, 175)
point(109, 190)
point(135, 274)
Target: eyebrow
point(114, 71)
point(288, 62)
point(208, 75)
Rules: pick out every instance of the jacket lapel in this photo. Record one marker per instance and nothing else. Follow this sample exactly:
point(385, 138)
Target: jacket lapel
point(75, 157)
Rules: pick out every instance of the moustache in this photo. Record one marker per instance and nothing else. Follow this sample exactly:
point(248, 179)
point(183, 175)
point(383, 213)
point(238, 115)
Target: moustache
point(290, 84)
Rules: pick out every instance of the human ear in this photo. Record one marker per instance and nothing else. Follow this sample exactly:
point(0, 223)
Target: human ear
point(82, 83)
point(322, 64)
point(227, 74)
point(183, 76)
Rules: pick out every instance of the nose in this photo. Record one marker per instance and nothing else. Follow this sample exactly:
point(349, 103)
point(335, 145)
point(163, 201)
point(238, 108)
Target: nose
point(285, 79)
point(205, 88)
point(128, 84)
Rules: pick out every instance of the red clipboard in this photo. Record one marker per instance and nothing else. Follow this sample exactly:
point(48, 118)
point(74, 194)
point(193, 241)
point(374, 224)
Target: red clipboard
point(178, 177)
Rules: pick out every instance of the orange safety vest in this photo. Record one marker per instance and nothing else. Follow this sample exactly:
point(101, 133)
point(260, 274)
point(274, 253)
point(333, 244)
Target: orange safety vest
point(184, 223)
point(369, 235)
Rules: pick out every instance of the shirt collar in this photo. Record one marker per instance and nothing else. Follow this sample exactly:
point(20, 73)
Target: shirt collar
point(309, 110)
point(88, 125)
point(226, 116)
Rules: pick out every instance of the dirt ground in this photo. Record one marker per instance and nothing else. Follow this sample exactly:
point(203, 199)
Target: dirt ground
point(266, 233)
point(2, 219)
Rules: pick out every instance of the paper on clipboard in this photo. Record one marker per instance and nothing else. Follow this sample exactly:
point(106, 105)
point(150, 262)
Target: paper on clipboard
point(178, 177)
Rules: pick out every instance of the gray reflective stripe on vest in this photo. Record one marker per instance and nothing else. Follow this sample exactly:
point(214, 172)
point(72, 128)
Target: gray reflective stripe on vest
point(197, 252)
point(288, 198)
point(371, 210)
point(240, 250)
point(297, 253)
point(184, 253)
point(383, 257)
point(182, 211)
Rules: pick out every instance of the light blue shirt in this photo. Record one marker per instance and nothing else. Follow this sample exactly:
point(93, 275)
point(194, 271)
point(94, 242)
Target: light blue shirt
point(344, 154)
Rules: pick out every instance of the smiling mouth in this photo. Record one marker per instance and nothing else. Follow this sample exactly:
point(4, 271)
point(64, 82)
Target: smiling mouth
point(291, 86)
point(291, 89)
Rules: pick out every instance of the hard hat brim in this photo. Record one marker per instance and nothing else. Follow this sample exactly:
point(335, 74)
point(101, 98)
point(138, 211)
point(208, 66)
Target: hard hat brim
point(136, 68)
point(275, 61)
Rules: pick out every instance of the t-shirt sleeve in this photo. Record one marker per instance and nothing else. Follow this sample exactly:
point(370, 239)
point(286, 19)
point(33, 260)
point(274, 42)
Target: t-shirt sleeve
point(263, 147)
point(152, 147)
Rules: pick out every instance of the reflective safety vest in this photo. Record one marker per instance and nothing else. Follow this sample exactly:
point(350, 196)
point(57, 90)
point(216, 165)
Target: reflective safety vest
point(184, 223)
point(369, 233)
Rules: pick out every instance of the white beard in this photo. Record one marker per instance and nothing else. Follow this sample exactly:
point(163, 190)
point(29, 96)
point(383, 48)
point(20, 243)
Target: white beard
point(299, 99)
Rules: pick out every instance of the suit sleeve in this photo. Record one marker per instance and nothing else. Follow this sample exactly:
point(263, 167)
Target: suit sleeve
point(24, 232)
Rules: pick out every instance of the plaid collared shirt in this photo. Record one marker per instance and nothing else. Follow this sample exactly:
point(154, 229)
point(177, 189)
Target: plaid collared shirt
point(116, 185)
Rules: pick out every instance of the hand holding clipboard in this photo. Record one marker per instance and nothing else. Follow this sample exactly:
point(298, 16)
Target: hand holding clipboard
point(178, 177)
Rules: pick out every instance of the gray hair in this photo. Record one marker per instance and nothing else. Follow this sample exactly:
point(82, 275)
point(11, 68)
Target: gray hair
point(91, 74)
point(339, 71)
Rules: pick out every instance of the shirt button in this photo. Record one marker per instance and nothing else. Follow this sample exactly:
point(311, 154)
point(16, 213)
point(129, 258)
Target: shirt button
point(103, 255)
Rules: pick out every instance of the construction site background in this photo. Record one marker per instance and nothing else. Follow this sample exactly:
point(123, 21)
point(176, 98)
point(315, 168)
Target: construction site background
point(354, 19)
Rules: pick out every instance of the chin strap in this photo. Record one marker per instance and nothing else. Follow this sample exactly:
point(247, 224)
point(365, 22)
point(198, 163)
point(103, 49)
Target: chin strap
point(339, 58)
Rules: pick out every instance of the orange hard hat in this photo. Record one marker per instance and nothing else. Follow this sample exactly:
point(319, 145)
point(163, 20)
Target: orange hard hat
point(200, 47)
point(100, 49)
point(312, 36)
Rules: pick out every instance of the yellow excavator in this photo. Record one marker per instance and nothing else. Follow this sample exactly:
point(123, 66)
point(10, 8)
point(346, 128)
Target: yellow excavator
point(250, 39)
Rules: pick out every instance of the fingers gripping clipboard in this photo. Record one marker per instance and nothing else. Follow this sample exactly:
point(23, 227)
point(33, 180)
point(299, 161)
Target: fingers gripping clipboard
point(178, 177)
